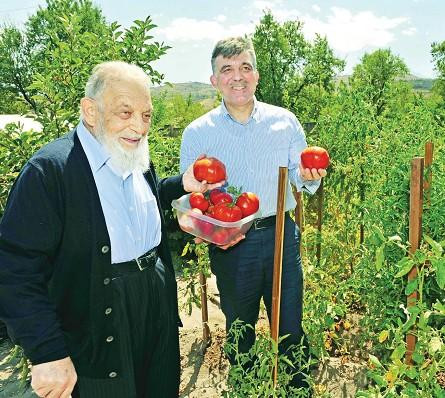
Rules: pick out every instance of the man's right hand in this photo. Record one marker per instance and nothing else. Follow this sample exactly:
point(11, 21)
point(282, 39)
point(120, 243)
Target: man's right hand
point(54, 379)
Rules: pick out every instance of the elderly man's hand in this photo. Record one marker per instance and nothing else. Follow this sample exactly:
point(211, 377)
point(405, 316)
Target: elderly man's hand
point(55, 379)
point(312, 174)
point(191, 184)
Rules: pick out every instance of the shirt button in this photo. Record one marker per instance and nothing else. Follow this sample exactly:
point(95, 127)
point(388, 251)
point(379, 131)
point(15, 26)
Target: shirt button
point(108, 311)
point(112, 375)
point(107, 281)
point(110, 339)
point(105, 249)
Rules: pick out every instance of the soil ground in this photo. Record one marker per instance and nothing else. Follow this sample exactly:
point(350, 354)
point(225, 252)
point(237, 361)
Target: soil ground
point(204, 371)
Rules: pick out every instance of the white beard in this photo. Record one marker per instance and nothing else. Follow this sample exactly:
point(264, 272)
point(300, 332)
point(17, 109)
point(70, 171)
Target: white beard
point(125, 160)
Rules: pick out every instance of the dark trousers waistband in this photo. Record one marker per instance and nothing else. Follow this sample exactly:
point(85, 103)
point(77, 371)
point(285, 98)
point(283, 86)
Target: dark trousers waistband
point(147, 260)
point(266, 222)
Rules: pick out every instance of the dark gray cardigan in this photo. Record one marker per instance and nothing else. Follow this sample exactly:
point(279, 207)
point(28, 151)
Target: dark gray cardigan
point(55, 257)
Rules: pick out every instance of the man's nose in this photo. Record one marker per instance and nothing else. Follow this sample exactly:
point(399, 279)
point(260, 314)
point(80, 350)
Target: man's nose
point(138, 125)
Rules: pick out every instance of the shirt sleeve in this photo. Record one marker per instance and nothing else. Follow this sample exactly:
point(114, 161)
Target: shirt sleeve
point(297, 144)
point(189, 149)
point(30, 232)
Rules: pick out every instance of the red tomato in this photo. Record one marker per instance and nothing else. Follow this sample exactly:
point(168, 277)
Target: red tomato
point(249, 203)
point(198, 200)
point(204, 227)
point(315, 157)
point(227, 212)
point(210, 169)
point(219, 196)
point(220, 236)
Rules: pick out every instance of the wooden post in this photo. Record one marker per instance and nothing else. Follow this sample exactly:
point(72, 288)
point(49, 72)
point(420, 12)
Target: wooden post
point(204, 310)
point(299, 212)
point(429, 149)
point(278, 258)
point(415, 233)
point(319, 219)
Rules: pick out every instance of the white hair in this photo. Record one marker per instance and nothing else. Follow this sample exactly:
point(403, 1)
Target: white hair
point(112, 71)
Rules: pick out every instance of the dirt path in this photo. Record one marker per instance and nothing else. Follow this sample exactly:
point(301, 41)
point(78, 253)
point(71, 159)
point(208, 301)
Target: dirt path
point(204, 375)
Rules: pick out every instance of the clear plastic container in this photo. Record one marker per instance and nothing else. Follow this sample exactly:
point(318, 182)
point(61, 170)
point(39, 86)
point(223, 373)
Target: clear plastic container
point(208, 228)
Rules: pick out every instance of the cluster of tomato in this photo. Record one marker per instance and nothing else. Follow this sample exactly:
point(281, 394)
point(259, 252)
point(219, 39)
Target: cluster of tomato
point(219, 204)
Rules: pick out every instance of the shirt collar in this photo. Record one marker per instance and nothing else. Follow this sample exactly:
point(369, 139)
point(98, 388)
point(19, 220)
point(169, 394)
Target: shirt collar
point(96, 154)
point(254, 115)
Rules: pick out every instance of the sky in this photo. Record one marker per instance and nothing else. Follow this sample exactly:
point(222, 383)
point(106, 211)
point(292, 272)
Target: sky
point(352, 27)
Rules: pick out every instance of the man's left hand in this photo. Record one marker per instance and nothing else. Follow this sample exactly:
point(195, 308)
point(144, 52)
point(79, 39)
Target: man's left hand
point(312, 174)
point(191, 184)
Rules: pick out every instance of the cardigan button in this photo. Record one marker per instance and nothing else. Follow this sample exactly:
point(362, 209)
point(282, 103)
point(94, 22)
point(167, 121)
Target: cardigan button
point(110, 339)
point(112, 375)
point(107, 281)
point(108, 311)
point(105, 249)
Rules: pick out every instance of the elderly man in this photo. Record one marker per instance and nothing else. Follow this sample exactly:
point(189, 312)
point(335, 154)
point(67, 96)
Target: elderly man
point(87, 285)
point(273, 138)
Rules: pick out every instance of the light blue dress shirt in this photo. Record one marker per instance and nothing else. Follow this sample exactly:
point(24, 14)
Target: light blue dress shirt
point(129, 206)
point(252, 152)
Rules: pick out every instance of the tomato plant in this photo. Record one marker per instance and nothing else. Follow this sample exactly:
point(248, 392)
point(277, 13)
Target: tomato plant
point(315, 157)
point(209, 169)
point(249, 203)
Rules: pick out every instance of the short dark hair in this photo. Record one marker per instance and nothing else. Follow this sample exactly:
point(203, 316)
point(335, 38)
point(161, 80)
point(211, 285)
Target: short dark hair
point(233, 46)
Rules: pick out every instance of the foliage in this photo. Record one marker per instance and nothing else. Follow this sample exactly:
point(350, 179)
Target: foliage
point(16, 147)
point(438, 53)
point(293, 72)
point(376, 76)
point(48, 64)
point(251, 375)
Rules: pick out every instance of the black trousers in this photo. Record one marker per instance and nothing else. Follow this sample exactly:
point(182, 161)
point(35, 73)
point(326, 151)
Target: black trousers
point(244, 275)
point(147, 324)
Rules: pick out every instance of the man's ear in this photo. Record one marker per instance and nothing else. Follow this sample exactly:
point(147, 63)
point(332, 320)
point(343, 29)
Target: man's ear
point(213, 81)
point(89, 111)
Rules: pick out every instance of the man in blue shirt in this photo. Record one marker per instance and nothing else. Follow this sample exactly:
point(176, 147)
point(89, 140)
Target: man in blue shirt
point(87, 284)
point(253, 140)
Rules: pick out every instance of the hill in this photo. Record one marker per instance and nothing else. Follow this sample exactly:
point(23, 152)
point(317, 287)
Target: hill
point(206, 94)
point(197, 91)
point(417, 83)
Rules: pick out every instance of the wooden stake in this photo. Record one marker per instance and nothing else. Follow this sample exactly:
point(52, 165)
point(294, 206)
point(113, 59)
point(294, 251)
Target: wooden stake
point(415, 233)
point(204, 310)
point(278, 259)
point(319, 219)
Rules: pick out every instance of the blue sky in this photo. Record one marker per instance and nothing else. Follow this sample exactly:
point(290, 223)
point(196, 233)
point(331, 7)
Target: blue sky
point(407, 27)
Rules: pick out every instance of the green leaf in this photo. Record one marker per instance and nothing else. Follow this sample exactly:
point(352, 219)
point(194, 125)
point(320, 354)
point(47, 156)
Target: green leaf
point(439, 266)
point(437, 248)
point(405, 265)
point(411, 287)
point(185, 250)
point(398, 353)
point(379, 257)
point(375, 361)
point(383, 336)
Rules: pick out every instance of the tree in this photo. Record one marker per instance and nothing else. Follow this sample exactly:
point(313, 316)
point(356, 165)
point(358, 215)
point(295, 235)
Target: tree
point(377, 76)
point(48, 64)
point(294, 73)
point(438, 53)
